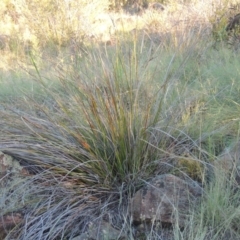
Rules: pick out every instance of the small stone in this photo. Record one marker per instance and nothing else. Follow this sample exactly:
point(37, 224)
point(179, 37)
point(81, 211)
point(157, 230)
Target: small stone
point(165, 199)
point(157, 6)
point(229, 161)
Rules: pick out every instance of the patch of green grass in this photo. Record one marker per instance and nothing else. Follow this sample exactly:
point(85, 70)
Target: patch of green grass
point(219, 213)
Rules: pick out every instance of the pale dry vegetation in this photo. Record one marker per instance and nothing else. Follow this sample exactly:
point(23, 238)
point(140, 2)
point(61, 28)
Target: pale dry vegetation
point(36, 27)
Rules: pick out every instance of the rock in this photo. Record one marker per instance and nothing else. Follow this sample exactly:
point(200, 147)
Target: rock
point(10, 165)
point(4, 41)
point(163, 199)
point(8, 222)
point(233, 23)
point(157, 6)
point(10, 170)
point(11, 173)
point(230, 157)
point(229, 161)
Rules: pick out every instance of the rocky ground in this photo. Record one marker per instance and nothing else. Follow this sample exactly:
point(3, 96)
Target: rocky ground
point(161, 201)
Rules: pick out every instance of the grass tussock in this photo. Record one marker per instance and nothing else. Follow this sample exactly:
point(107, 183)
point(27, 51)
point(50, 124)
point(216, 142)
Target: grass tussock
point(102, 134)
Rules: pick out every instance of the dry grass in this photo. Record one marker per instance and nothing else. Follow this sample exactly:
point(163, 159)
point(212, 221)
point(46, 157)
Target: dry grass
point(40, 27)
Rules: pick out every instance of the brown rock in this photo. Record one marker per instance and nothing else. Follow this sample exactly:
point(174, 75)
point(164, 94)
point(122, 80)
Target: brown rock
point(8, 222)
point(229, 161)
point(163, 199)
point(157, 6)
point(10, 165)
point(233, 23)
point(229, 158)
point(4, 41)
point(11, 172)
